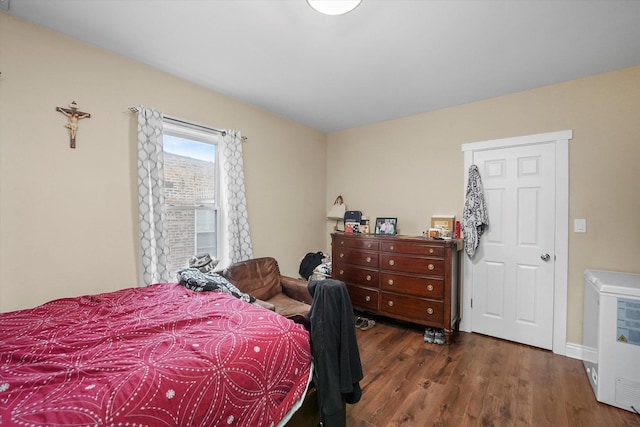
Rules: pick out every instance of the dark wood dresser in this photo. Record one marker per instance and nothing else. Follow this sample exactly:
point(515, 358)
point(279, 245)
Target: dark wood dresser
point(414, 279)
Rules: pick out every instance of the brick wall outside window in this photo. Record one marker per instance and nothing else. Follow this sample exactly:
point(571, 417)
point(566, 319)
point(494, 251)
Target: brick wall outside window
point(188, 182)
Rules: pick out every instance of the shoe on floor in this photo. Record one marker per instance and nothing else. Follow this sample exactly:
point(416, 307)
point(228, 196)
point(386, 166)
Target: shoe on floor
point(429, 335)
point(438, 337)
point(359, 322)
point(368, 324)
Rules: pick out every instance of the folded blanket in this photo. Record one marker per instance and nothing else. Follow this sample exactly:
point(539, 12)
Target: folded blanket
point(194, 279)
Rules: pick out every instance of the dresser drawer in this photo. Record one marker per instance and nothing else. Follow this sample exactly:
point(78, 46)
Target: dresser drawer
point(355, 275)
point(425, 287)
point(418, 309)
point(363, 297)
point(408, 264)
point(352, 256)
point(412, 248)
point(356, 243)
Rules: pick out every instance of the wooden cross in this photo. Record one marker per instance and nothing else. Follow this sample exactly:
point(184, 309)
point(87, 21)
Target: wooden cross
point(74, 115)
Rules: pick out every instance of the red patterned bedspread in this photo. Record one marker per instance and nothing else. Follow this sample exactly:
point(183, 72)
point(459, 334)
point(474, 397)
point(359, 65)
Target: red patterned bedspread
point(161, 355)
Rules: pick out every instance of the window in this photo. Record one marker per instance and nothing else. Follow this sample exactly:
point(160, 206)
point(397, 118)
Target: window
point(191, 192)
point(206, 231)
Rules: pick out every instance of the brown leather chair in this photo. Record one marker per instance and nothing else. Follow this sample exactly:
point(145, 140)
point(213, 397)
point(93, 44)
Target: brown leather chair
point(261, 278)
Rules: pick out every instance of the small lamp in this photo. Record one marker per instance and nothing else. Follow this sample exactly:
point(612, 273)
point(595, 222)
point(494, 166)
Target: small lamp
point(337, 211)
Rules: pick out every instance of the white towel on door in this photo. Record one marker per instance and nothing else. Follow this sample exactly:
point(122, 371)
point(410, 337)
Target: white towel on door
point(474, 217)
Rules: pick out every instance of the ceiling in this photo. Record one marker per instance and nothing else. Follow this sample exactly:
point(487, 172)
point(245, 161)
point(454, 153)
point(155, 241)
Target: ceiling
point(384, 60)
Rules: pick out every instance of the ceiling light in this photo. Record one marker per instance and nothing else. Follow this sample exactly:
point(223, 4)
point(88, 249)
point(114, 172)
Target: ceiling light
point(334, 7)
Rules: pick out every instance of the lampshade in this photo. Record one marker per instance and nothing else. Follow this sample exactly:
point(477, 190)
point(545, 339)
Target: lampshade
point(338, 209)
point(334, 7)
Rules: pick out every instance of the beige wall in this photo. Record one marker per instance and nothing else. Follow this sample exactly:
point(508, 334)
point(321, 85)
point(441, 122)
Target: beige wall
point(412, 168)
point(68, 218)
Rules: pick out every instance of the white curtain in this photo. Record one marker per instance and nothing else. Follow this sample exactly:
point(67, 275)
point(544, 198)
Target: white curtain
point(154, 248)
point(235, 221)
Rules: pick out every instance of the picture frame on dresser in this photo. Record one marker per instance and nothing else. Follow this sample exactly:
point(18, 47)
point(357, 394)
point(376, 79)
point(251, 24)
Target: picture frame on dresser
point(386, 226)
point(443, 221)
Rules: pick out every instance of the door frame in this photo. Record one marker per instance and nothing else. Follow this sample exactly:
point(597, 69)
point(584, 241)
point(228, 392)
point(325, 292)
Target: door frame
point(560, 140)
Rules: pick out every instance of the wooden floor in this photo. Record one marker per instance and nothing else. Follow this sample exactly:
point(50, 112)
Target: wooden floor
point(478, 381)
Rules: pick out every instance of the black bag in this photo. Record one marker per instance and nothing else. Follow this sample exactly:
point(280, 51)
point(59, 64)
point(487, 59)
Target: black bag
point(309, 263)
point(353, 216)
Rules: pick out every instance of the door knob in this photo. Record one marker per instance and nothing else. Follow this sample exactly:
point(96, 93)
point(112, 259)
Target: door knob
point(545, 257)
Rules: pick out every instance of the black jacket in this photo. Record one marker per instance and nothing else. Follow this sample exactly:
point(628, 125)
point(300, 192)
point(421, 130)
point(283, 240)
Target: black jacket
point(335, 350)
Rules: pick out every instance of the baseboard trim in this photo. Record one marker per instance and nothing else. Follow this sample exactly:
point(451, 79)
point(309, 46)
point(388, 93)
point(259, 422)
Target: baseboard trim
point(581, 352)
point(572, 350)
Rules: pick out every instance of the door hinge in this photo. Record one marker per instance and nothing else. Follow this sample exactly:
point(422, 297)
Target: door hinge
point(471, 302)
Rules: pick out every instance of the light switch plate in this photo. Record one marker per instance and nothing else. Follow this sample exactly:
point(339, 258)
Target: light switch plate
point(580, 225)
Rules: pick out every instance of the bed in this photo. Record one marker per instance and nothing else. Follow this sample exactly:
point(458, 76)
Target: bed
point(161, 355)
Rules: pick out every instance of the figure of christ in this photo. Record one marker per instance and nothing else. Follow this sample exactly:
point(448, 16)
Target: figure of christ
point(74, 115)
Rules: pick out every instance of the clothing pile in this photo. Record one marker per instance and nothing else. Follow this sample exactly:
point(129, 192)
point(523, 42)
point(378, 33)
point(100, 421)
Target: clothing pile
point(203, 262)
point(315, 266)
point(322, 271)
point(197, 281)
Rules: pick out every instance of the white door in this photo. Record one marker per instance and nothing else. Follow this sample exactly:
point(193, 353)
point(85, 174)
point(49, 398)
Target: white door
point(513, 269)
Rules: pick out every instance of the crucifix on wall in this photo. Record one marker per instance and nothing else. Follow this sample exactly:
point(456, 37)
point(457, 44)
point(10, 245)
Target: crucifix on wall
point(74, 115)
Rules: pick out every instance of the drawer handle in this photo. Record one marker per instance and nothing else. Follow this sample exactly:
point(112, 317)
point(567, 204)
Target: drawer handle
point(390, 282)
point(341, 272)
point(390, 303)
point(392, 262)
point(430, 267)
point(429, 310)
point(429, 288)
point(341, 242)
point(367, 298)
point(368, 277)
point(391, 247)
point(430, 250)
point(369, 245)
point(341, 255)
point(368, 259)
